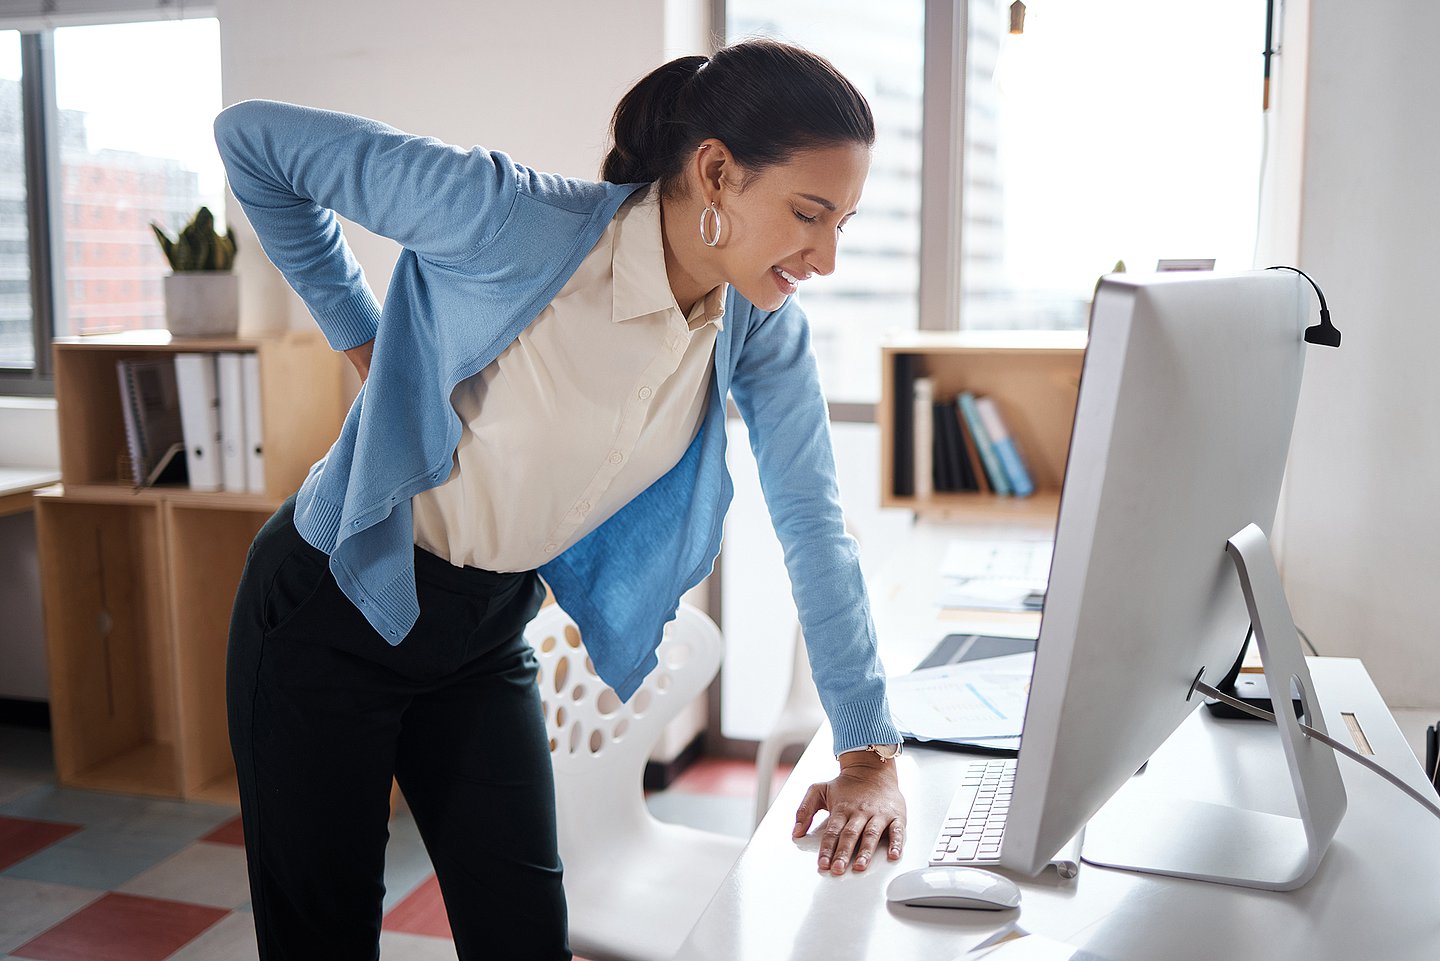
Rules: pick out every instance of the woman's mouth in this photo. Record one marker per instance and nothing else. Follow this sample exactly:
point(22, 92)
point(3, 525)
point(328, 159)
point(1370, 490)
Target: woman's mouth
point(786, 281)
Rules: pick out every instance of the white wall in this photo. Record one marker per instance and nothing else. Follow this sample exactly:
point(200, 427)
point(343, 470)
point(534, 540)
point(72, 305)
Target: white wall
point(1361, 524)
point(537, 80)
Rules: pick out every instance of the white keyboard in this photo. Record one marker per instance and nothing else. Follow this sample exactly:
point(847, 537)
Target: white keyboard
point(974, 826)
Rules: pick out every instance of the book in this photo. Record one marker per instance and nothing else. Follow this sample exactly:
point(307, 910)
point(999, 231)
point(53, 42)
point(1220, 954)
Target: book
point(974, 468)
point(952, 464)
point(200, 419)
point(945, 463)
point(1004, 444)
point(254, 432)
point(902, 481)
point(154, 438)
point(232, 421)
point(999, 481)
point(923, 420)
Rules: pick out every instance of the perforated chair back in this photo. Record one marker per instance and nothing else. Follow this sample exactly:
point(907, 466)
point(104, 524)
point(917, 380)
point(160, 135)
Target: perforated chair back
point(598, 745)
point(635, 885)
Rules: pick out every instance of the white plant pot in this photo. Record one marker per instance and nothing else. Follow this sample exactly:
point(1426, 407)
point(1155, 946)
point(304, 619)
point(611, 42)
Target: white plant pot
point(202, 303)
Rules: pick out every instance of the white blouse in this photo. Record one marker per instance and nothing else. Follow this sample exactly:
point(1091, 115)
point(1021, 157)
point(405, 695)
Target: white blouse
point(592, 403)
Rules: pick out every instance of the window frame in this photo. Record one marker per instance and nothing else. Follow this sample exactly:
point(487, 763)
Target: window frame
point(39, 132)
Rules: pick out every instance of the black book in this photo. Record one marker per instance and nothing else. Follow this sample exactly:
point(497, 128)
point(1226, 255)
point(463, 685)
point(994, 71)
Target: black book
point(903, 448)
point(944, 460)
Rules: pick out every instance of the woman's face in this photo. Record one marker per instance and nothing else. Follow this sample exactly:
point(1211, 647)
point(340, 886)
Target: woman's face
point(782, 224)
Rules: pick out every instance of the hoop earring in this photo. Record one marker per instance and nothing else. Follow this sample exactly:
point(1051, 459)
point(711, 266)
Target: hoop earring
point(710, 241)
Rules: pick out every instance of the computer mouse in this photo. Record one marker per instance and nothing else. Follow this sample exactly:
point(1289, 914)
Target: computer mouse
point(954, 887)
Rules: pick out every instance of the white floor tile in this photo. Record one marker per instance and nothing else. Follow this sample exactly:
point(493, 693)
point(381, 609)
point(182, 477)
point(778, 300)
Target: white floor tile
point(395, 946)
point(203, 873)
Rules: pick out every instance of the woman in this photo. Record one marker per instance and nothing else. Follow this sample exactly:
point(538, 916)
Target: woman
point(543, 395)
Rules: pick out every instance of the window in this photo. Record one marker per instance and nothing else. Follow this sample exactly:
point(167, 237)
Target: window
point(135, 146)
point(1105, 131)
point(880, 48)
point(17, 340)
point(102, 128)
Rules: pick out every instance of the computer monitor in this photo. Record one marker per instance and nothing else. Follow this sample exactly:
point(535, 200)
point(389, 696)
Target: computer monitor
point(1186, 404)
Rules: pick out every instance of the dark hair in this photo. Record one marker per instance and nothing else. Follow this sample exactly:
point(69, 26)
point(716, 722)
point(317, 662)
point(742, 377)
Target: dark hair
point(763, 99)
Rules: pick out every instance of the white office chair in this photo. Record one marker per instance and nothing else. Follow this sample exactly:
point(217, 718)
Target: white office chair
point(800, 717)
point(635, 885)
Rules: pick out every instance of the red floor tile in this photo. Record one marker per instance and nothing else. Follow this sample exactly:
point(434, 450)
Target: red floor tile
point(722, 777)
point(122, 927)
point(227, 833)
point(22, 837)
point(421, 912)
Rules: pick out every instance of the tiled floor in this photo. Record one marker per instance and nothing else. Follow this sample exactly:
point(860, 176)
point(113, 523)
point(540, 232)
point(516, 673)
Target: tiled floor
point(86, 876)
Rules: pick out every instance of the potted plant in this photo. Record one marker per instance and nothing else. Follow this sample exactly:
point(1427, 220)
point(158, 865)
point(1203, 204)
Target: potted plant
point(202, 296)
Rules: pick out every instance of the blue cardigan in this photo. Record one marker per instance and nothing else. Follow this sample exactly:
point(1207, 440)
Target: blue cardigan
point(487, 243)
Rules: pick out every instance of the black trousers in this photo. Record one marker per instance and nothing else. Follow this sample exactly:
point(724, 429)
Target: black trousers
point(323, 712)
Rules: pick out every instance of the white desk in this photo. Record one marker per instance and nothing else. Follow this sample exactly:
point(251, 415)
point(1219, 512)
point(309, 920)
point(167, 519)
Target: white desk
point(1374, 896)
point(18, 483)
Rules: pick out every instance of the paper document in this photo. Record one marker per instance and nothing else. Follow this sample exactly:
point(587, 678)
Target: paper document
point(1014, 943)
point(973, 700)
point(1006, 575)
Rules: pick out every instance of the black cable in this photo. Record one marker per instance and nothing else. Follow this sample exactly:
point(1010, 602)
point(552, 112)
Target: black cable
point(1324, 333)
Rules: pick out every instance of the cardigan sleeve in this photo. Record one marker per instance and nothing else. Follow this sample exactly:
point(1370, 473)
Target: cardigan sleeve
point(776, 387)
point(293, 169)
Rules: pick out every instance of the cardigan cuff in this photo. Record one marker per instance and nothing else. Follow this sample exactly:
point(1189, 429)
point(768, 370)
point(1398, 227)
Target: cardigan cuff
point(861, 723)
point(351, 322)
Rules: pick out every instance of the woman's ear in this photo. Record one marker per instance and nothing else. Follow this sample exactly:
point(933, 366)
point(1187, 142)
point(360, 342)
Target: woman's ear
point(713, 168)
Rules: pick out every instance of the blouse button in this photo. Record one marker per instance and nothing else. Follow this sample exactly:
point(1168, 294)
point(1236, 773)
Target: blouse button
point(616, 457)
point(583, 507)
point(550, 548)
point(645, 393)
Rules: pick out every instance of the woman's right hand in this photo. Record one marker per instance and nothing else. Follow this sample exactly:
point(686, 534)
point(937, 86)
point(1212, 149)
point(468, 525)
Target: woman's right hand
point(360, 357)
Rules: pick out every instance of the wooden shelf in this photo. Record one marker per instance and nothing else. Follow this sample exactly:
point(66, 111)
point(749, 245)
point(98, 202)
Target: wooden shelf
point(148, 769)
point(949, 506)
point(222, 790)
point(138, 584)
point(1034, 379)
point(298, 373)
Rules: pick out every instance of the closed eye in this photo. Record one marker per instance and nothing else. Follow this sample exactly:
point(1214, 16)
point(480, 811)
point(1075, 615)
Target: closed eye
point(810, 220)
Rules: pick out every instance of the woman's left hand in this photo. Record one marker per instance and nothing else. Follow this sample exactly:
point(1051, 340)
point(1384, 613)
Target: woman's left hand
point(865, 805)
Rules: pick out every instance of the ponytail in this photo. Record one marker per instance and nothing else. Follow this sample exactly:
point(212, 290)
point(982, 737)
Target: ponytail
point(736, 97)
point(643, 131)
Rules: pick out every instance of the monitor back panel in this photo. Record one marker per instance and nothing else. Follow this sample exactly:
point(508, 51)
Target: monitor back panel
point(1187, 400)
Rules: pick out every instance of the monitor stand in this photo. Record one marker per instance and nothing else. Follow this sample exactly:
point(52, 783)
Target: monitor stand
point(1180, 837)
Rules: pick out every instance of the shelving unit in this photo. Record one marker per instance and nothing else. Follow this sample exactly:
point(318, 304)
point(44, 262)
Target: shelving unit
point(1034, 378)
point(138, 585)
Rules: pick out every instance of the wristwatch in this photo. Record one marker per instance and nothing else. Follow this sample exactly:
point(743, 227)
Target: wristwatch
point(886, 752)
